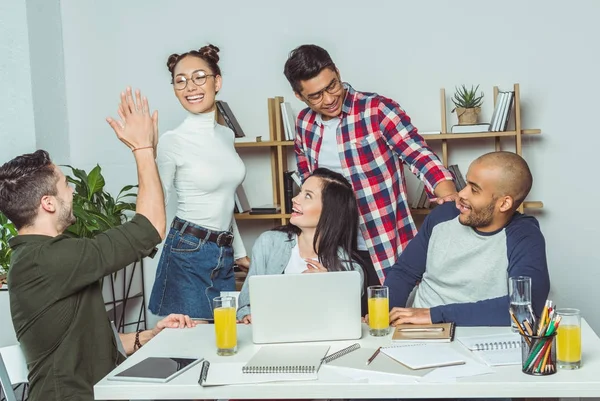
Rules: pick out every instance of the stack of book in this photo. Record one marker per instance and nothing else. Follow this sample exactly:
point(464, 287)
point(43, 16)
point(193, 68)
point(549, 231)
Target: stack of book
point(289, 121)
point(421, 200)
point(502, 111)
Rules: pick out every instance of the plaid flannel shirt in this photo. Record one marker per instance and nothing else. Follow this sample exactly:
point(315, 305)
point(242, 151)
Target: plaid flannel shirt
point(374, 139)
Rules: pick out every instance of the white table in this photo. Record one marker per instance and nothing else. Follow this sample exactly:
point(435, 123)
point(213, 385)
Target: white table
point(506, 381)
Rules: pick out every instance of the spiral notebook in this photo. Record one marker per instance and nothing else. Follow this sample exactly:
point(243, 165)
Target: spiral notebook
point(495, 349)
point(271, 363)
point(287, 359)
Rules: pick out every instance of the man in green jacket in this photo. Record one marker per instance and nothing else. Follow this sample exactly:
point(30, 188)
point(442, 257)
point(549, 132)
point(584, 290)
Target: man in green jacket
point(55, 295)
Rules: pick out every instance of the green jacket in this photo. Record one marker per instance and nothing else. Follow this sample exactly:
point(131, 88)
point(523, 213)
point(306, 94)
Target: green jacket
point(57, 307)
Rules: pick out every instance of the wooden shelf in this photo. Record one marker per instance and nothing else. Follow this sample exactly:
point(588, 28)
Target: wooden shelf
point(473, 135)
point(248, 216)
point(263, 144)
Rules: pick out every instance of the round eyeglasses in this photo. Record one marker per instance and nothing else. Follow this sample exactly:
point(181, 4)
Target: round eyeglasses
point(333, 88)
point(198, 77)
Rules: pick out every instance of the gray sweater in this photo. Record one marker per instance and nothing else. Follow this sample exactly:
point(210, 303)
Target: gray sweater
point(270, 255)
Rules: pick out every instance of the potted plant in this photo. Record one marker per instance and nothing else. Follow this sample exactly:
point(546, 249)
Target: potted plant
point(95, 209)
point(467, 104)
point(7, 231)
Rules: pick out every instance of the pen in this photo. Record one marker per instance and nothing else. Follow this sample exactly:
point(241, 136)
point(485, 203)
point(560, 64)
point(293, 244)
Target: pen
point(373, 356)
point(408, 329)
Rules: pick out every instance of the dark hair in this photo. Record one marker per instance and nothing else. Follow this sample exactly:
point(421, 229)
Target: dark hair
point(306, 62)
point(23, 182)
point(338, 224)
point(208, 53)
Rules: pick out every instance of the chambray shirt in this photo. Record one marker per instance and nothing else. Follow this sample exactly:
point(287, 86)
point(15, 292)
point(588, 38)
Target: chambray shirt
point(270, 255)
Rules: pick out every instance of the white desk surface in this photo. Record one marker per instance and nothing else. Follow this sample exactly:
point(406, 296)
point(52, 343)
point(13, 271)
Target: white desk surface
point(506, 381)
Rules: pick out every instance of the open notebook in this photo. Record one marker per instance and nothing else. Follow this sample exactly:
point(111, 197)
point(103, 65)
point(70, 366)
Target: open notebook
point(424, 355)
point(356, 358)
point(271, 363)
point(495, 349)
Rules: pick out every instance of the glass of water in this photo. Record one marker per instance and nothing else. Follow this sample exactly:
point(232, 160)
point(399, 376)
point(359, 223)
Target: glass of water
point(519, 292)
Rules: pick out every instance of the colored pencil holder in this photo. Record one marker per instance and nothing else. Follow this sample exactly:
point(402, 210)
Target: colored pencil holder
point(538, 354)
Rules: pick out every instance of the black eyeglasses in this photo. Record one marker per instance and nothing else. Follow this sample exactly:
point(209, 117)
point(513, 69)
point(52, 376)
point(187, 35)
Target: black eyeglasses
point(333, 88)
point(198, 77)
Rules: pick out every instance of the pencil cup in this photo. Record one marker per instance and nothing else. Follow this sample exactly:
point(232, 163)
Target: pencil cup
point(538, 354)
point(379, 310)
point(568, 340)
point(224, 309)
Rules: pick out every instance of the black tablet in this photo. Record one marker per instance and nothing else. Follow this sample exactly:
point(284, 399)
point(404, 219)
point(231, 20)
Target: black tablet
point(156, 369)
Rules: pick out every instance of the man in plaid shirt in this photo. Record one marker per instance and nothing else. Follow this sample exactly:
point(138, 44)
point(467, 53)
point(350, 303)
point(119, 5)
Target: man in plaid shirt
point(367, 138)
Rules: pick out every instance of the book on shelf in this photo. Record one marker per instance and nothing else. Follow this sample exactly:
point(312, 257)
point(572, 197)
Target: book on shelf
point(288, 189)
point(502, 111)
point(241, 200)
point(469, 128)
point(497, 111)
point(266, 209)
point(435, 332)
point(296, 178)
point(289, 121)
point(229, 118)
point(417, 198)
point(459, 180)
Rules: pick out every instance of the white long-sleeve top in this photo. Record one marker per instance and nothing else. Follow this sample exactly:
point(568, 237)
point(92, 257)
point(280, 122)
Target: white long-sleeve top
point(198, 158)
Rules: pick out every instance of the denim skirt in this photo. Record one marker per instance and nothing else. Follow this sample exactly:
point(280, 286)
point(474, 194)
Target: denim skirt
point(190, 273)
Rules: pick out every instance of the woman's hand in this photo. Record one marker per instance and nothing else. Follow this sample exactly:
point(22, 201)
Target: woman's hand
point(246, 319)
point(174, 321)
point(243, 263)
point(314, 267)
point(136, 128)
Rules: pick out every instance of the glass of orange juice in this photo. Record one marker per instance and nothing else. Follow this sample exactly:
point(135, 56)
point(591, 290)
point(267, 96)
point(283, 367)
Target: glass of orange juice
point(568, 339)
point(379, 310)
point(224, 309)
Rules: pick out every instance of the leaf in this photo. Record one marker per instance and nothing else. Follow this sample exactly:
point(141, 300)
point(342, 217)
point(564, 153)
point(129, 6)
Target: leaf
point(95, 181)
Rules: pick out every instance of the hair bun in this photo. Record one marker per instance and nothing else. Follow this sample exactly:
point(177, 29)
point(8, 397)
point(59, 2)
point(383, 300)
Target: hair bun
point(172, 61)
point(210, 52)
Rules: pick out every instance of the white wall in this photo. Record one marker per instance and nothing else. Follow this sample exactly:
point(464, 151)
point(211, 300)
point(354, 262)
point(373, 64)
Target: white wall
point(48, 78)
point(17, 128)
point(405, 50)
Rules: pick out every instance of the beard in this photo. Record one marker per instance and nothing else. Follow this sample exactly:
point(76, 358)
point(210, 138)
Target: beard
point(65, 215)
point(478, 218)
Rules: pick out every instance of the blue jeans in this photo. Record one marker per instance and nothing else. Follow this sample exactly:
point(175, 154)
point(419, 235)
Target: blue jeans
point(190, 273)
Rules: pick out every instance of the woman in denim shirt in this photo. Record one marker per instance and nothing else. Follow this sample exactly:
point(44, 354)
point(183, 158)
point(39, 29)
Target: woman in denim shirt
point(321, 235)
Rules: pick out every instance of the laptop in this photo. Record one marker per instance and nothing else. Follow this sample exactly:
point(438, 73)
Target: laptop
point(305, 307)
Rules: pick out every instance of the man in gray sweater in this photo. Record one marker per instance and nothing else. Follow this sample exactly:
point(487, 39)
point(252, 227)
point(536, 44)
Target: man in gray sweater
point(465, 252)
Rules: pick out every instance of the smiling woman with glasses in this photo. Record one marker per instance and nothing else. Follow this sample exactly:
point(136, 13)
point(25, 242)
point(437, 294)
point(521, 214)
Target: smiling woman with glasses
point(199, 161)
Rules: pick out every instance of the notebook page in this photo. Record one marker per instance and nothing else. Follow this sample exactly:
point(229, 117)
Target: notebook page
point(357, 360)
point(495, 349)
point(224, 373)
point(287, 358)
point(425, 355)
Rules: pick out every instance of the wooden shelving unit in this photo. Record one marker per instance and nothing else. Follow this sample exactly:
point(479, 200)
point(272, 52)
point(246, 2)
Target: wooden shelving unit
point(517, 134)
point(278, 153)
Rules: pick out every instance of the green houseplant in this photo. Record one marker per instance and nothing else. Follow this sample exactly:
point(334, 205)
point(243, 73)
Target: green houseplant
point(7, 231)
point(95, 209)
point(467, 104)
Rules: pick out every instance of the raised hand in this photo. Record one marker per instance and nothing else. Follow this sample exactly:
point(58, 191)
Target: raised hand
point(136, 128)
